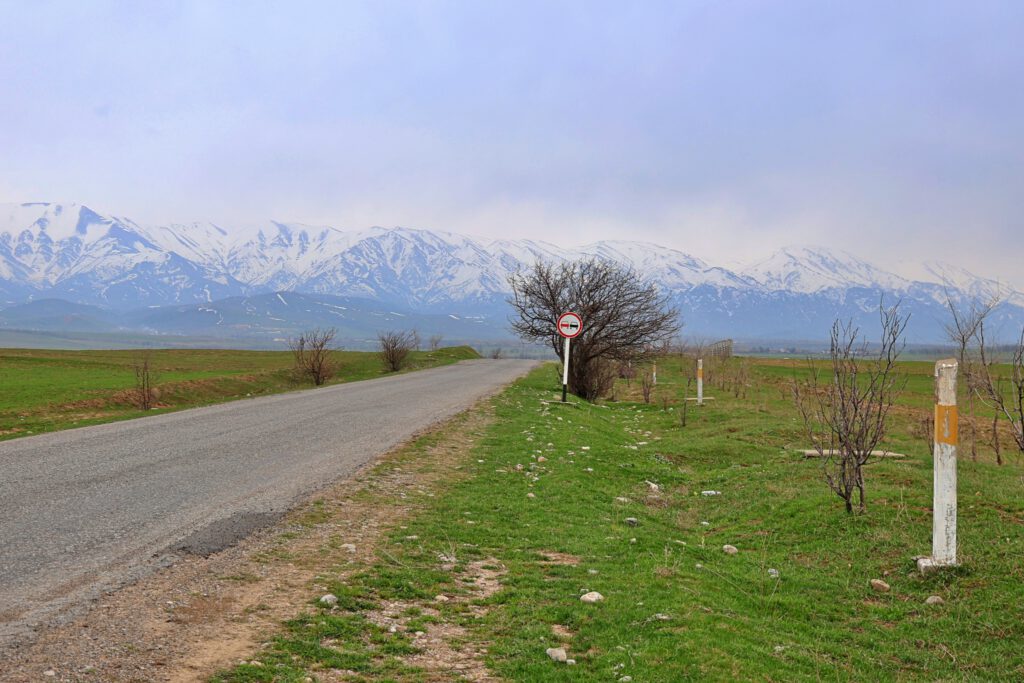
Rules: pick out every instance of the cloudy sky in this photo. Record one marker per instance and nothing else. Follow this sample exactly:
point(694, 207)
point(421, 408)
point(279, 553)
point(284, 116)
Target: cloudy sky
point(727, 129)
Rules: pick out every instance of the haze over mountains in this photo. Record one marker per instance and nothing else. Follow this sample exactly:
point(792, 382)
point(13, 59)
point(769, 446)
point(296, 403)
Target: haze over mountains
point(65, 267)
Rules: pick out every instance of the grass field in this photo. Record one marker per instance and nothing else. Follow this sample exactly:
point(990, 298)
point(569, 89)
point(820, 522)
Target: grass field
point(42, 390)
point(558, 500)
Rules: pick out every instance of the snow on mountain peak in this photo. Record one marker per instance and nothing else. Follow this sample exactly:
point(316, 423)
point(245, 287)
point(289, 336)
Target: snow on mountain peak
point(813, 269)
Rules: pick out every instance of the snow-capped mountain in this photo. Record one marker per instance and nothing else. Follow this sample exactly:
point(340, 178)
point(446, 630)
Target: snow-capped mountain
point(70, 252)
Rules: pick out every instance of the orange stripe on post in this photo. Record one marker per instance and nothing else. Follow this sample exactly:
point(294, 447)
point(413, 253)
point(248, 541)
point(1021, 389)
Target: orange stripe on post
point(946, 424)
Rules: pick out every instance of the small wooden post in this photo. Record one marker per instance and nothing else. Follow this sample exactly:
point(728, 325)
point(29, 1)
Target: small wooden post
point(654, 375)
point(944, 476)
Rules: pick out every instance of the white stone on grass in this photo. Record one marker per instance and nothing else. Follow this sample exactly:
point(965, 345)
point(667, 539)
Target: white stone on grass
point(329, 600)
point(557, 654)
point(729, 549)
point(591, 597)
point(934, 600)
point(879, 586)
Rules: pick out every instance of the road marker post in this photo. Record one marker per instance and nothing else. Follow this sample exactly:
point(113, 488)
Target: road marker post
point(700, 384)
point(569, 325)
point(700, 381)
point(944, 475)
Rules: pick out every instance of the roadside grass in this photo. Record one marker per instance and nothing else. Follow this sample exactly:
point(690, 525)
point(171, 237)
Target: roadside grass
point(46, 390)
point(676, 607)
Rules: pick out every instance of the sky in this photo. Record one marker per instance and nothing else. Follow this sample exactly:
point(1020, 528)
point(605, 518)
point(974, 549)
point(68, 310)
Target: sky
point(725, 129)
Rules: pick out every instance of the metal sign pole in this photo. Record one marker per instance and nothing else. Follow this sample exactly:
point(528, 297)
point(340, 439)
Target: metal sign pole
point(565, 372)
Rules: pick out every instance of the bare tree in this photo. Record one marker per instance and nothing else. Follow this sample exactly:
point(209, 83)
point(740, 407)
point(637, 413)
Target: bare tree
point(435, 342)
point(145, 394)
point(845, 411)
point(962, 330)
point(395, 347)
point(1003, 393)
point(314, 353)
point(623, 317)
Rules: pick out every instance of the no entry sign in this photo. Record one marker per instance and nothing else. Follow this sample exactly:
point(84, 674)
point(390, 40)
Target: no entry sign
point(569, 325)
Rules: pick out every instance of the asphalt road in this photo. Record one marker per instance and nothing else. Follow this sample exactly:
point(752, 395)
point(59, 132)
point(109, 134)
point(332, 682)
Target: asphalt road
point(86, 510)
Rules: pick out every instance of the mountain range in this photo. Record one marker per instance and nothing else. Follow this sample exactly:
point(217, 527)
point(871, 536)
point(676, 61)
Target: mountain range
point(67, 267)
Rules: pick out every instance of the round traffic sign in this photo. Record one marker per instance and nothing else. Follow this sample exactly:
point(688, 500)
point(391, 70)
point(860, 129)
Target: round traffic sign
point(570, 325)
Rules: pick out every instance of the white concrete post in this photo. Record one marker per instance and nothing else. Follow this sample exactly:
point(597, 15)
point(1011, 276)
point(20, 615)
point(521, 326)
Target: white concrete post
point(654, 375)
point(944, 476)
point(700, 381)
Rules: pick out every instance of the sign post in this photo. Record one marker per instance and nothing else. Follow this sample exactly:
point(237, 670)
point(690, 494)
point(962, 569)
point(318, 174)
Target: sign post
point(569, 325)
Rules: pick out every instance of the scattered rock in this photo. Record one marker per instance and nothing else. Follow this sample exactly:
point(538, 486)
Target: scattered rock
point(531, 495)
point(879, 586)
point(632, 541)
point(591, 597)
point(705, 523)
point(329, 600)
point(49, 673)
point(541, 458)
point(779, 648)
point(632, 521)
point(710, 493)
point(570, 662)
point(625, 679)
point(934, 600)
point(774, 573)
point(557, 654)
point(622, 499)
point(350, 547)
point(441, 598)
point(592, 571)
point(661, 617)
point(652, 486)
point(729, 549)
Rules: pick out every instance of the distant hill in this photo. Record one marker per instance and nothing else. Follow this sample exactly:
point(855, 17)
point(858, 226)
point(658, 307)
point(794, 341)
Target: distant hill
point(202, 278)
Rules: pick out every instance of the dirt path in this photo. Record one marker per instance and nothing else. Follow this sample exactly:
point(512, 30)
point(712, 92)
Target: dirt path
point(202, 614)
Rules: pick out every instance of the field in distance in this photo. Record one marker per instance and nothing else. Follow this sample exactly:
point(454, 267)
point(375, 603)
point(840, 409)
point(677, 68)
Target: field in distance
point(46, 390)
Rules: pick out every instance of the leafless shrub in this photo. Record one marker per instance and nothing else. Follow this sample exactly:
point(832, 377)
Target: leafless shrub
point(646, 385)
point(1002, 393)
point(623, 316)
point(665, 400)
point(845, 411)
point(924, 429)
point(435, 342)
point(684, 408)
point(394, 348)
point(962, 329)
point(626, 371)
point(497, 353)
point(145, 394)
point(314, 354)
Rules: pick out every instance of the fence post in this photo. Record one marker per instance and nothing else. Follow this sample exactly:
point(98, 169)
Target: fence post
point(944, 476)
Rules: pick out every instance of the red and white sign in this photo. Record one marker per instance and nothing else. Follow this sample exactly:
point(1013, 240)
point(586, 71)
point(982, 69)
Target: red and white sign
point(570, 325)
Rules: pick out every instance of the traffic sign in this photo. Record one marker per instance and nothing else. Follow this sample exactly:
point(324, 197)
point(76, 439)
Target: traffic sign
point(570, 325)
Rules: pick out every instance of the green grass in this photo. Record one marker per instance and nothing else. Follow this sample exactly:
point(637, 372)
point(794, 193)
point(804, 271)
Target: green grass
point(45, 390)
point(676, 607)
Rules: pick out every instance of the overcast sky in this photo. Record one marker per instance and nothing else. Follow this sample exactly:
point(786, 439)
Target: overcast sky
point(894, 130)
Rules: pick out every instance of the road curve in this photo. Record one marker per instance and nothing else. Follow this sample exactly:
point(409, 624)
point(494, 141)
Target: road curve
point(85, 510)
